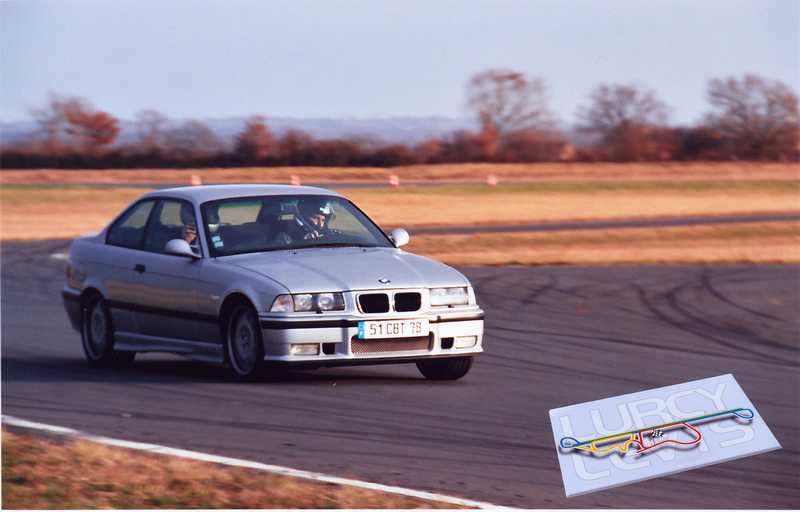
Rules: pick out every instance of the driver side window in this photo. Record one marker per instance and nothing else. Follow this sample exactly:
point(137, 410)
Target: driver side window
point(172, 219)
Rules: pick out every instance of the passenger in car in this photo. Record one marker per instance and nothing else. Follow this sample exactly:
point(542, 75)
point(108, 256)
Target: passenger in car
point(189, 230)
point(189, 233)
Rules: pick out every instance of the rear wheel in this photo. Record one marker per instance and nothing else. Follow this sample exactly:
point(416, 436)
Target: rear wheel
point(452, 368)
point(244, 347)
point(97, 335)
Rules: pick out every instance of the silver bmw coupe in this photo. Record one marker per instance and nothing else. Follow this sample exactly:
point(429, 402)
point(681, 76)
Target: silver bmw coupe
point(248, 275)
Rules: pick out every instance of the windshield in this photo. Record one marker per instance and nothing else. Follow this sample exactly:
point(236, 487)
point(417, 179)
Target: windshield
point(270, 223)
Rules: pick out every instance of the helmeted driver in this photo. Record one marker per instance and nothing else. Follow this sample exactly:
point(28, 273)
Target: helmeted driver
point(315, 215)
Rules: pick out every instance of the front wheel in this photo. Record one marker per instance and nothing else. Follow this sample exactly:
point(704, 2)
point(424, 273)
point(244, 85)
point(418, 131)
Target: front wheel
point(97, 335)
point(452, 368)
point(244, 347)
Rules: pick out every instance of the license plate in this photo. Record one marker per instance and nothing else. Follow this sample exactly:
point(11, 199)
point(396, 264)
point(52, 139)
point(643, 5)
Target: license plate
point(369, 329)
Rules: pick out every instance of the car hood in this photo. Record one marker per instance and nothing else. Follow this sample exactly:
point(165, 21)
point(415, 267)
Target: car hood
point(348, 268)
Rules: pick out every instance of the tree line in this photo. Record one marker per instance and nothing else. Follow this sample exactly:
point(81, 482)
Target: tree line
point(748, 118)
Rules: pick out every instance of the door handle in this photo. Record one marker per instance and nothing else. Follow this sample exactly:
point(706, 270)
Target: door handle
point(139, 268)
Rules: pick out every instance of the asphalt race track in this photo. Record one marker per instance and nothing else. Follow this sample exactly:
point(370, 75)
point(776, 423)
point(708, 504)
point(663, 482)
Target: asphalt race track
point(554, 336)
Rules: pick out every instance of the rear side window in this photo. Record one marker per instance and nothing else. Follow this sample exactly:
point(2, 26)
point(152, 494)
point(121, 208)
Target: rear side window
point(128, 231)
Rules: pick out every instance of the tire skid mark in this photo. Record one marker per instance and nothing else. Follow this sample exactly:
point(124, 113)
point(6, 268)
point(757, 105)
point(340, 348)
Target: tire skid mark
point(702, 333)
point(632, 343)
point(673, 298)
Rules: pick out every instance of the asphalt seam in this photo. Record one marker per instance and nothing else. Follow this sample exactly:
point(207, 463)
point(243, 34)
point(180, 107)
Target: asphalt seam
point(230, 461)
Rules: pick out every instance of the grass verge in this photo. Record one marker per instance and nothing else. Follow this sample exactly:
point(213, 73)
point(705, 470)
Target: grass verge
point(59, 473)
point(32, 212)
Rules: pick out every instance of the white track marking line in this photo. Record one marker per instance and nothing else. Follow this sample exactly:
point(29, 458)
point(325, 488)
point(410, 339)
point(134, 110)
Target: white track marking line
point(59, 256)
point(228, 461)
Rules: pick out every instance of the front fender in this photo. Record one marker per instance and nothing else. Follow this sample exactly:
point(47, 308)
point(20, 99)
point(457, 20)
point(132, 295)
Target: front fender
point(259, 291)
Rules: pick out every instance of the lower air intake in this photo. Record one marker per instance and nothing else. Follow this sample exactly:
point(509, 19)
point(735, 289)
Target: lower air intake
point(389, 345)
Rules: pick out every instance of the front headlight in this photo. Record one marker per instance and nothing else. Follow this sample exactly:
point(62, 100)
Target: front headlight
point(308, 302)
point(329, 301)
point(449, 296)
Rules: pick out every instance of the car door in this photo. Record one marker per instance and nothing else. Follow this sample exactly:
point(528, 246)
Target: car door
point(166, 284)
point(114, 264)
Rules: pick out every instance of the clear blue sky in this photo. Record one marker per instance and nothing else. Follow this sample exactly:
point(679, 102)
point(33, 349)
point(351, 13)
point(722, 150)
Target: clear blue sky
point(367, 58)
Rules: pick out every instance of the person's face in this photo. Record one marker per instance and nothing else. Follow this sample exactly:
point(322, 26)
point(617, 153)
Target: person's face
point(318, 220)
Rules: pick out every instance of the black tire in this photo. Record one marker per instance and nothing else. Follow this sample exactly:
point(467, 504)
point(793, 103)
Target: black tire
point(244, 348)
point(97, 336)
point(452, 368)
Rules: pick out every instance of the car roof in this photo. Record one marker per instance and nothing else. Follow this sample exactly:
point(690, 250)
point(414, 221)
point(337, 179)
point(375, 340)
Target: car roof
point(201, 194)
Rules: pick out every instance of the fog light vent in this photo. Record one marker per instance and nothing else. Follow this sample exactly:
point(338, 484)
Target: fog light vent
point(329, 349)
point(447, 343)
point(304, 349)
point(466, 341)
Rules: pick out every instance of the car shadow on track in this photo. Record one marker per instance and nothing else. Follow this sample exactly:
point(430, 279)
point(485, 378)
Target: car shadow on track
point(67, 369)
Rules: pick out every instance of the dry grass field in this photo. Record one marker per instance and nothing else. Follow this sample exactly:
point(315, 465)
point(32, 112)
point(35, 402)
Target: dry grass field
point(752, 243)
point(555, 201)
point(46, 210)
point(41, 473)
point(39, 212)
point(669, 171)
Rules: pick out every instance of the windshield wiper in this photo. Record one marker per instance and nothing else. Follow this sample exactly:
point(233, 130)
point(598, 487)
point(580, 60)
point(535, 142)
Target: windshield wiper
point(296, 247)
point(337, 244)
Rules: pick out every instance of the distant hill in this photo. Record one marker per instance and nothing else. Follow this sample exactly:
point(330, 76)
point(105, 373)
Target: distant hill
point(385, 130)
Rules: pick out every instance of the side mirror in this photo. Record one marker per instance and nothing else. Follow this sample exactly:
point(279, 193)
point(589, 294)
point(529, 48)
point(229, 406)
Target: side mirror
point(399, 236)
point(180, 247)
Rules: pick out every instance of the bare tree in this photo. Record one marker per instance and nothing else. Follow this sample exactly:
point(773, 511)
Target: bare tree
point(52, 126)
point(192, 140)
point(294, 147)
point(255, 142)
point(757, 118)
point(93, 130)
point(626, 119)
point(151, 131)
point(508, 101)
point(505, 102)
point(72, 123)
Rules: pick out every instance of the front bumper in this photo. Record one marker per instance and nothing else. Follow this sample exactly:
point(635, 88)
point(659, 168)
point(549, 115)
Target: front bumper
point(338, 342)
